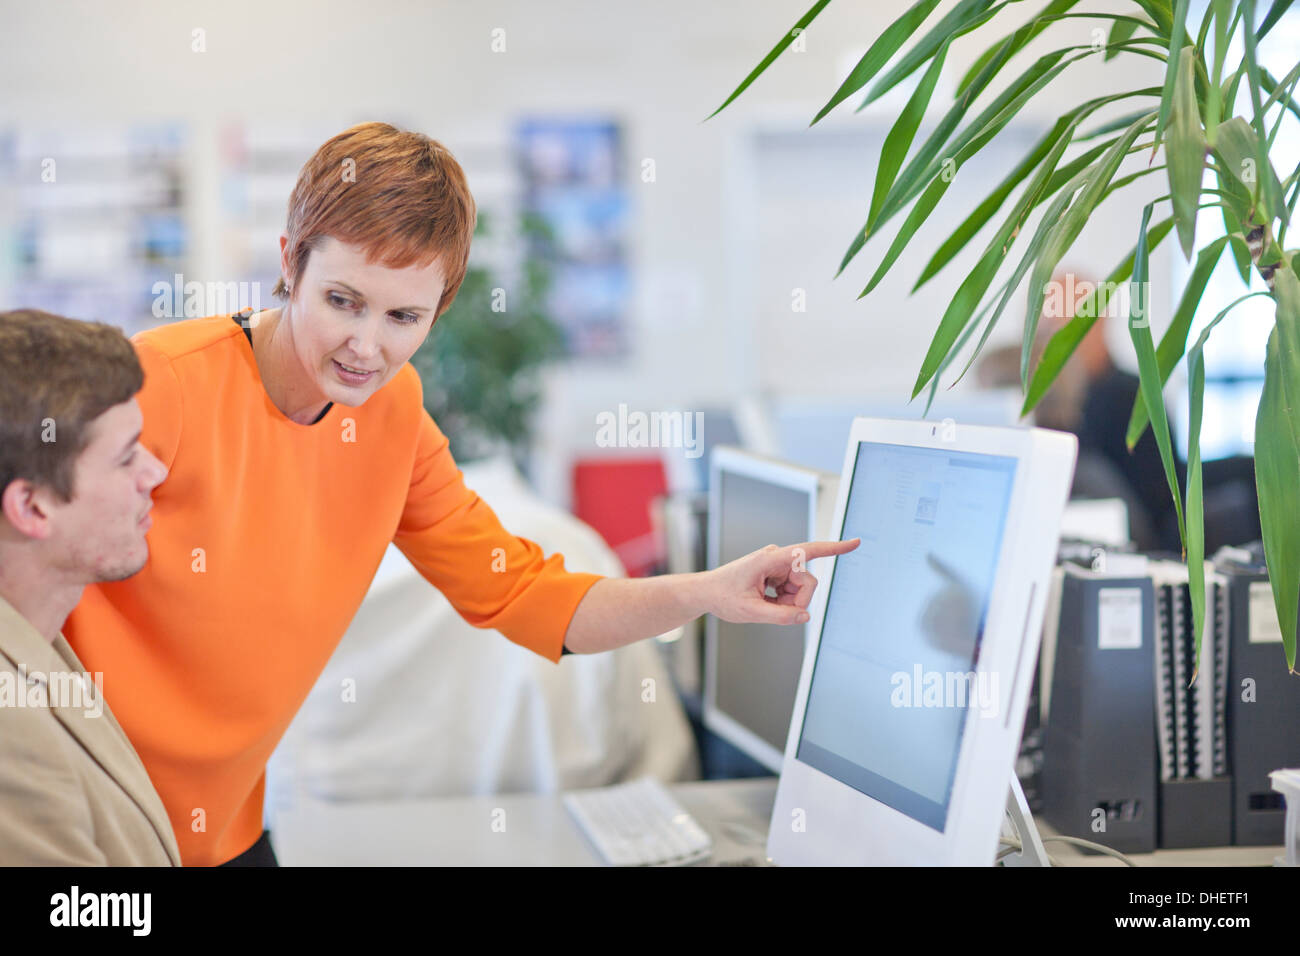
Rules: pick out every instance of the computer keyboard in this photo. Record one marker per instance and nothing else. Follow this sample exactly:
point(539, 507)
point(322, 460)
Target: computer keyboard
point(638, 824)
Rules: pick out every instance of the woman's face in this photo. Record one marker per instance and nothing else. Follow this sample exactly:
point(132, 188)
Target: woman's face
point(356, 323)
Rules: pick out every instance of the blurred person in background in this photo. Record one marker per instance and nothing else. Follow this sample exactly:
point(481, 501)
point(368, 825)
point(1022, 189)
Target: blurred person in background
point(1093, 398)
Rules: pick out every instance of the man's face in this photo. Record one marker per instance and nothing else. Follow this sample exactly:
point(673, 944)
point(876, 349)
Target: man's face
point(346, 311)
point(100, 534)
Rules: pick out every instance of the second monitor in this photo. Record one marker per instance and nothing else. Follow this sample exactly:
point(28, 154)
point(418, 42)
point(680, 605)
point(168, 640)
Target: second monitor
point(751, 671)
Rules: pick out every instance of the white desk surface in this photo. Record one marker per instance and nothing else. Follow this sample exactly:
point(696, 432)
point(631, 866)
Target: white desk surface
point(536, 830)
point(1207, 856)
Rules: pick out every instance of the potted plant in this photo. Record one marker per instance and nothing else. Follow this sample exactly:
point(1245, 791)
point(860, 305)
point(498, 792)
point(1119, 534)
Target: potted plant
point(480, 364)
point(1190, 122)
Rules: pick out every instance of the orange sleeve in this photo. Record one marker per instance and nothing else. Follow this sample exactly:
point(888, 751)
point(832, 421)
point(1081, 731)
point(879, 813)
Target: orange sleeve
point(161, 402)
point(492, 578)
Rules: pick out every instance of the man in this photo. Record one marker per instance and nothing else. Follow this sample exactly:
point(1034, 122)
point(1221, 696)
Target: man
point(75, 488)
point(1104, 411)
point(1093, 399)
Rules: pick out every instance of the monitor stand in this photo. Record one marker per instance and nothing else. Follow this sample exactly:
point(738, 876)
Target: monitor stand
point(1031, 852)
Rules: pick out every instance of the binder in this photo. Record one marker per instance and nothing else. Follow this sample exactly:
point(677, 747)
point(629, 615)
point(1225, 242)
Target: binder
point(1220, 609)
point(1195, 791)
point(1099, 760)
point(1262, 700)
point(1166, 736)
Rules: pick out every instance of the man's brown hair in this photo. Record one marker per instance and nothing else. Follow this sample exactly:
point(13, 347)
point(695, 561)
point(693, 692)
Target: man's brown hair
point(57, 375)
point(398, 195)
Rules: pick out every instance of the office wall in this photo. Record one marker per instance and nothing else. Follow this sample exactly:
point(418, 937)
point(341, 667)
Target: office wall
point(718, 241)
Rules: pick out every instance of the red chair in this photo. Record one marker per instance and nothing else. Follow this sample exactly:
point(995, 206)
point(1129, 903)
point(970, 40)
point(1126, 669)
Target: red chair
point(614, 496)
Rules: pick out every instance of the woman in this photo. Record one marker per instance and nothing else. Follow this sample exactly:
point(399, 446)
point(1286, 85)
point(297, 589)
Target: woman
point(297, 448)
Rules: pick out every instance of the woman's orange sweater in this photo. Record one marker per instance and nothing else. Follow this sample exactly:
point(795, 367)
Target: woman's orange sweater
point(266, 536)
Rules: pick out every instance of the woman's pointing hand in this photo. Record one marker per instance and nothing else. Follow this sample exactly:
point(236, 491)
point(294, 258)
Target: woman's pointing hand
point(737, 592)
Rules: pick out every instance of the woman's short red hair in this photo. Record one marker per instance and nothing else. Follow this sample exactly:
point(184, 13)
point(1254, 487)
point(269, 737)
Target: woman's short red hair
point(398, 195)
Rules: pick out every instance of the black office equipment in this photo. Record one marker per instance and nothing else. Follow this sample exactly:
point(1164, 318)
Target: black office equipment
point(1099, 762)
point(1263, 700)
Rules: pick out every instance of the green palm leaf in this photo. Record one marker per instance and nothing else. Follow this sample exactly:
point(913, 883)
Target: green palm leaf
point(1067, 229)
point(899, 140)
point(1277, 475)
point(886, 45)
point(1177, 40)
point(786, 39)
point(1194, 543)
point(1062, 345)
point(1174, 341)
point(1148, 373)
point(1186, 152)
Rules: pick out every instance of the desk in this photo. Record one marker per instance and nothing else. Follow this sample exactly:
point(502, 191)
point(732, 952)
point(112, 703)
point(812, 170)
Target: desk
point(531, 829)
point(1206, 856)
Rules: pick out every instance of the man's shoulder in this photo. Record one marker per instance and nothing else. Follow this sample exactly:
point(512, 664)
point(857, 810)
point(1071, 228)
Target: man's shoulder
point(28, 727)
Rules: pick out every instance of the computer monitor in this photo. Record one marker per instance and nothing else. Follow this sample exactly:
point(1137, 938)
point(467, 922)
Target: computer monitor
point(811, 430)
point(1099, 520)
point(922, 645)
point(751, 671)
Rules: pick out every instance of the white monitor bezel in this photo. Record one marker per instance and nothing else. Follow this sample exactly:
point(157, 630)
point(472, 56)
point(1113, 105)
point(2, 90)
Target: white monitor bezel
point(738, 461)
point(819, 820)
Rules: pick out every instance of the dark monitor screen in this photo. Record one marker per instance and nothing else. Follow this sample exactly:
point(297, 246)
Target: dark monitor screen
point(757, 665)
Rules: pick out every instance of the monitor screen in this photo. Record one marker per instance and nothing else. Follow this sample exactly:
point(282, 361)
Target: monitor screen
point(756, 672)
point(894, 677)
